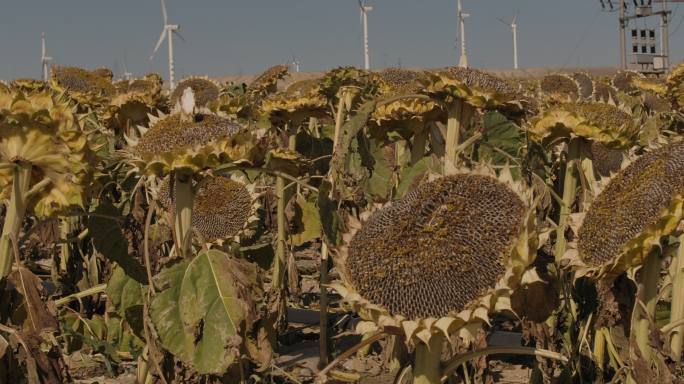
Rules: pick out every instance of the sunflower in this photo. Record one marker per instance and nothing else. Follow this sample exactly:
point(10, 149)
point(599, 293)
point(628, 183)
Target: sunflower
point(560, 88)
point(190, 144)
point(442, 258)
point(301, 100)
point(26, 85)
point(675, 86)
point(267, 82)
point(401, 105)
point(623, 81)
point(605, 123)
point(91, 88)
point(41, 131)
point(604, 93)
point(639, 206)
point(206, 90)
point(585, 83)
point(224, 207)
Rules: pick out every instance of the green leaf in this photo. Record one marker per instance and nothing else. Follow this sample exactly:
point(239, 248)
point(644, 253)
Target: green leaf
point(411, 176)
point(307, 221)
point(126, 296)
point(205, 309)
point(502, 134)
point(108, 238)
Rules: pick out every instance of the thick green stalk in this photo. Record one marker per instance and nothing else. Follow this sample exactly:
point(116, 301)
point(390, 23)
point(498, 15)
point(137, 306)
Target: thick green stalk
point(569, 194)
point(182, 219)
point(677, 309)
point(21, 180)
point(427, 368)
point(648, 295)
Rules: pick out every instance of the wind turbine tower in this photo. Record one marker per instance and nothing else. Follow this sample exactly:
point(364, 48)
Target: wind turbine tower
point(514, 29)
point(44, 59)
point(295, 63)
point(167, 33)
point(463, 59)
point(364, 22)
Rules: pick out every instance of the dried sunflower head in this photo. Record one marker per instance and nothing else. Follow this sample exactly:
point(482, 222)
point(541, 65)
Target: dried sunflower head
point(675, 86)
point(442, 258)
point(623, 81)
point(267, 82)
point(335, 79)
point(559, 88)
point(299, 101)
point(191, 143)
point(205, 90)
point(42, 130)
point(604, 93)
point(585, 83)
point(26, 85)
point(86, 87)
point(400, 105)
point(601, 122)
point(651, 85)
point(638, 207)
point(477, 88)
point(223, 209)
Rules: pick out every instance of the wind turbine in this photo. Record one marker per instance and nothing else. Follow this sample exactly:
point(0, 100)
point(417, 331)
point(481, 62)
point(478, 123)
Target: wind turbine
point(43, 58)
point(514, 28)
point(463, 59)
point(295, 63)
point(364, 22)
point(167, 33)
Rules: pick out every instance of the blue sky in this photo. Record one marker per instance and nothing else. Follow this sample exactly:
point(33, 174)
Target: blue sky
point(246, 36)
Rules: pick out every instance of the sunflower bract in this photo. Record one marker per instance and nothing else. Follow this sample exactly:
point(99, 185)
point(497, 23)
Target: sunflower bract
point(439, 248)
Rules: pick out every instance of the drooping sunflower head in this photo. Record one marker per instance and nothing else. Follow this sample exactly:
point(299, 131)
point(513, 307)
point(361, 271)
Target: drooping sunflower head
point(174, 142)
point(205, 90)
point(675, 85)
point(623, 81)
point(648, 84)
point(42, 130)
point(400, 105)
point(301, 100)
point(585, 83)
point(86, 87)
point(478, 88)
point(638, 207)
point(267, 82)
point(341, 77)
point(655, 102)
point(600, 122)
point(26, 85)
point(441, 258)
point(559, 87)
point(604, 93)
point(224, 207)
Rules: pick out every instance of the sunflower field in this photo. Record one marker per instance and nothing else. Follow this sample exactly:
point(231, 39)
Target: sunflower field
point(391, 226)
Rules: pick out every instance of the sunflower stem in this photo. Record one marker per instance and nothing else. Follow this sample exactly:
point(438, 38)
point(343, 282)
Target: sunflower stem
point(427, 368)
point(324, 337)
point(569, 194)
point(278, 277)
point(677, 309)
point(459, 114)
point(182, 218)
point(600, 349)
point(648, 295)
point(21, 180)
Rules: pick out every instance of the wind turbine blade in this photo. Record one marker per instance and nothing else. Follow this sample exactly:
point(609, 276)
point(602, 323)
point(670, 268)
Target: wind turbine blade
point(502, 21)
point(159, 43)
point(360, 4)
point(175, 32)
point(166, 16)
point(515, 17)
